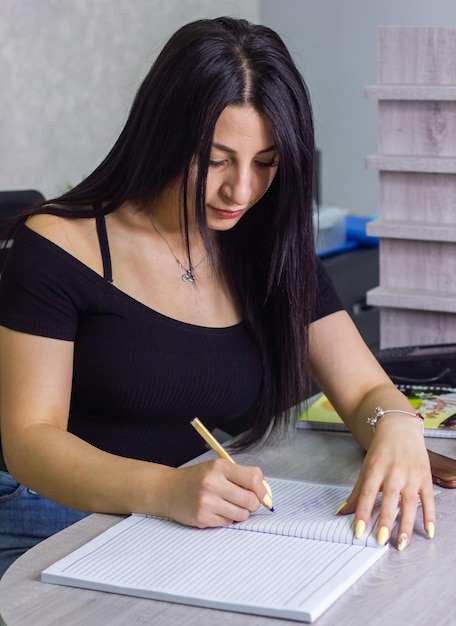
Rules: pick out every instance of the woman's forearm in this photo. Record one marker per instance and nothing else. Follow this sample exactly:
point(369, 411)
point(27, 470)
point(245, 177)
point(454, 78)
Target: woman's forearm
point(63, 468)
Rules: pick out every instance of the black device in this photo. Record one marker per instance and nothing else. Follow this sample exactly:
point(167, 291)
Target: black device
point(429, 365)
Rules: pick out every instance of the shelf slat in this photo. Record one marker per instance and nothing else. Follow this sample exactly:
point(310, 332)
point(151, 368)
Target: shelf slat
point(405, 163)
point(410, 92)
point(417, 299)
point(419, 231)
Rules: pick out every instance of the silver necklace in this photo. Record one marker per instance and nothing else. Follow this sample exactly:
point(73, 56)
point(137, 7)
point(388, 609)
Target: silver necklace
point(189, 275)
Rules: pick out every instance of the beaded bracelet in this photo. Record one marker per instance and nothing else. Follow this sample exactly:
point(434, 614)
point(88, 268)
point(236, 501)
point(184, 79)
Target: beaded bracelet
point(379, 412)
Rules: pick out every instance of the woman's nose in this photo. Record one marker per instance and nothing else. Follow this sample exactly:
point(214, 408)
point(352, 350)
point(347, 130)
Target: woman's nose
point(238, 189)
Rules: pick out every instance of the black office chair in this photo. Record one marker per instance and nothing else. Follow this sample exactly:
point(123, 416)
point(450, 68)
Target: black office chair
point(13, 202)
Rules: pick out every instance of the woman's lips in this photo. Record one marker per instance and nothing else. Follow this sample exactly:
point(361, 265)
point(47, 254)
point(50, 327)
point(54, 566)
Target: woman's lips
point(226, 214)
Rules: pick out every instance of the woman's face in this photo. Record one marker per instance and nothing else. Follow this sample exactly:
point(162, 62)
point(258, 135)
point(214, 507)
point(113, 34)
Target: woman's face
point(242, 165)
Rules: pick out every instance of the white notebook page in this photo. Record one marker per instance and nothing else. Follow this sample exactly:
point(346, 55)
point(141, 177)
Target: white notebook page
point(303, 509)
point(227, 568)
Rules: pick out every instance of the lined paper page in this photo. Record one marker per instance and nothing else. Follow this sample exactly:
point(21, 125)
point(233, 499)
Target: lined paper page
point(303, 509)
point(250, 572)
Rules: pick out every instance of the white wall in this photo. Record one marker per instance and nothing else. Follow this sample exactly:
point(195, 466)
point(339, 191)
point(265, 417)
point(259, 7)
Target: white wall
point(69, 70)
point(334, 45)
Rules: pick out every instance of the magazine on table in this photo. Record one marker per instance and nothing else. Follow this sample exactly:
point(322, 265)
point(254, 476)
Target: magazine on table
point(436, 403)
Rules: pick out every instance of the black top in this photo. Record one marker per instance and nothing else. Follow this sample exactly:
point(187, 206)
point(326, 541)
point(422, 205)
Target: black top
point(138, 376)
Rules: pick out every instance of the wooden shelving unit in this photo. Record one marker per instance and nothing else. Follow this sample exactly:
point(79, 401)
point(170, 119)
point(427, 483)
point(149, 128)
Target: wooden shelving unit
point(416, 161)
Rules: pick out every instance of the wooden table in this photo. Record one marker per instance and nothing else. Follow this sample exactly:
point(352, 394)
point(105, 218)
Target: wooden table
point(412, 587)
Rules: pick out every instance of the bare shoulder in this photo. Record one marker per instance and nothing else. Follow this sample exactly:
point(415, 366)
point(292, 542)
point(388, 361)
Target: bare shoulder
point(78, 237)
point(57, 228)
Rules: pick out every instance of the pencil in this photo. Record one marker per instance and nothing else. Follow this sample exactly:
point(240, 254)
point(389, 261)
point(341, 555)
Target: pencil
point(223, 454)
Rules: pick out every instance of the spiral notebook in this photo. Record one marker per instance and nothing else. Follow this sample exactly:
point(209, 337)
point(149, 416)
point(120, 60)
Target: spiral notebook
point(292, 563)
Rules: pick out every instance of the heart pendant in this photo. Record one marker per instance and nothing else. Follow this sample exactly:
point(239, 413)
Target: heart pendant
point(188, 277)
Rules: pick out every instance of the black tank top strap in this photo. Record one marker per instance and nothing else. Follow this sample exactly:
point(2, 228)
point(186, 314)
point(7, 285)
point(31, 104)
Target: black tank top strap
point(104, 247)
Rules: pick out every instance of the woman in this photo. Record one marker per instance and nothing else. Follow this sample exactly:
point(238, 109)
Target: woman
point(180, 279)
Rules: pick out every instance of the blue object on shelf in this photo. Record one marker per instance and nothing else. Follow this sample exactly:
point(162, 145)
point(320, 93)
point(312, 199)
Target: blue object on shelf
point(356, 231)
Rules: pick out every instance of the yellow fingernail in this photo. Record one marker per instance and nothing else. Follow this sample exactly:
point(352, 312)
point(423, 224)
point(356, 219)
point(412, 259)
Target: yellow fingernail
point(268, 488)
point(402, 541)
point(267, 501)
point(339, 508)
point(360, 528)
point(430, 529)
point(383, 536)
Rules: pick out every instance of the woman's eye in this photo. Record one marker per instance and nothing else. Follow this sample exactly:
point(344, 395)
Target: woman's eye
point(213, 163)
point(273, 163)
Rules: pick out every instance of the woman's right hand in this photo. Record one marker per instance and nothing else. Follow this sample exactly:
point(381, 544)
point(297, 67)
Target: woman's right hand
point(214, 493)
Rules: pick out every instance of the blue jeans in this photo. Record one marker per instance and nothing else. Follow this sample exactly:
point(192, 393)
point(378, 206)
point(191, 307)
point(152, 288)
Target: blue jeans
point(26, 518)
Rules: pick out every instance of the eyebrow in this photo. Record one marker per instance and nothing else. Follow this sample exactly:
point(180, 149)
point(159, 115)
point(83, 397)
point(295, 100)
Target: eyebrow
point(231, 151)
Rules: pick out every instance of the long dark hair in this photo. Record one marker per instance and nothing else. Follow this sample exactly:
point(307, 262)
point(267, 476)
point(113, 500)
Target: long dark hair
point(268, 257)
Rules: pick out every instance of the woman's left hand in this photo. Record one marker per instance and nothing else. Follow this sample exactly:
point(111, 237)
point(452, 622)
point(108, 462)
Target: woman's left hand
point(397, 465)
